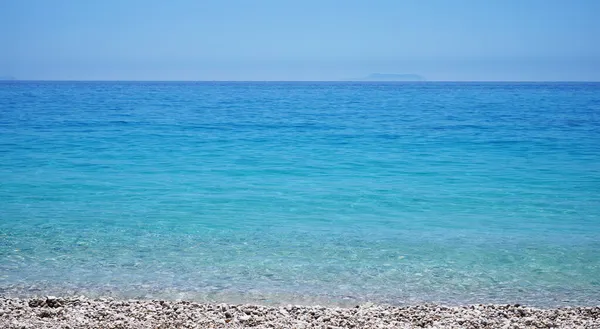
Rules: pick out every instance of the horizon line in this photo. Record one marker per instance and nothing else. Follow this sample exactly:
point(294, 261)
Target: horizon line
point(343, 81)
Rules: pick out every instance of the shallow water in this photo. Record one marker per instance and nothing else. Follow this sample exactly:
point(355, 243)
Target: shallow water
point(331, 193)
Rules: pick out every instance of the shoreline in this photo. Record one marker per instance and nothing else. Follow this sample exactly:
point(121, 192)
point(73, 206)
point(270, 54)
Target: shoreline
point(82, 312)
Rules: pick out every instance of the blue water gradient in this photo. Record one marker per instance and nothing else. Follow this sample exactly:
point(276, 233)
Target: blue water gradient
point(331, 193)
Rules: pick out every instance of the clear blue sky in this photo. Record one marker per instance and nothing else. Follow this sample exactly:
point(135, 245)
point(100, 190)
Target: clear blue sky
point(299, 40)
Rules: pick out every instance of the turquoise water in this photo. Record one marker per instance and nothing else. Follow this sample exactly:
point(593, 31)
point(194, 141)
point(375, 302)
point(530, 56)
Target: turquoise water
point(331, 193)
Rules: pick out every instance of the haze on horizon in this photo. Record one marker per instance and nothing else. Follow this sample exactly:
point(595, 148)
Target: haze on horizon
point(534, 40)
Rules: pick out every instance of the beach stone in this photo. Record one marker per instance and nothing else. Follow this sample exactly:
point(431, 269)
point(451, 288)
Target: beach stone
point(36, 303)
point(110, 313)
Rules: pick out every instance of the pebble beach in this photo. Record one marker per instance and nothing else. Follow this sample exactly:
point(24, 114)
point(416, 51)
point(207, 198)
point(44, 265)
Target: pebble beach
point(81, 312)
point(299, 164)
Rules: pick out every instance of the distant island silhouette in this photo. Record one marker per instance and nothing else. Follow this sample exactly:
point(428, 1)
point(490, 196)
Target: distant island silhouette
point(390, 77)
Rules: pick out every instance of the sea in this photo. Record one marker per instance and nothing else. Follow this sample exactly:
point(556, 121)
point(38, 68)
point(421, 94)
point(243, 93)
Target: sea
point(329, 193)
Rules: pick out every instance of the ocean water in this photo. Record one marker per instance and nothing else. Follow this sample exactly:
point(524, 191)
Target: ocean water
point(329, 193)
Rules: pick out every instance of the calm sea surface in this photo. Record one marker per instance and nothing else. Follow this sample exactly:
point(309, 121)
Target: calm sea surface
point(331, 193)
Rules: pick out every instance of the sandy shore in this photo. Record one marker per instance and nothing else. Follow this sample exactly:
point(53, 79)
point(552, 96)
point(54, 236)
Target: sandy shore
point(52, 312)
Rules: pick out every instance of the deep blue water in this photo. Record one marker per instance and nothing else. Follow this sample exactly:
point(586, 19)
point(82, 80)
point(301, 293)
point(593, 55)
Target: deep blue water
point(331, 193)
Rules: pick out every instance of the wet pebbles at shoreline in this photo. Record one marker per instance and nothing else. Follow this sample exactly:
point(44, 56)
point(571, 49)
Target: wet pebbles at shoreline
point(81, 312)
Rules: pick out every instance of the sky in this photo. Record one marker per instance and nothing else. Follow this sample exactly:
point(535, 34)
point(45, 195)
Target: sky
point(446, 40)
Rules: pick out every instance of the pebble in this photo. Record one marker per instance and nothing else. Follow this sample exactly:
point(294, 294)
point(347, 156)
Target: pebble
point(80, 312)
